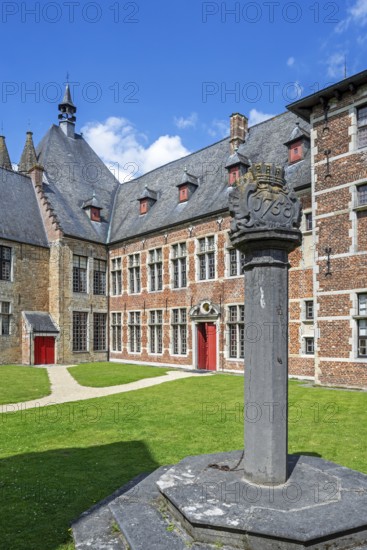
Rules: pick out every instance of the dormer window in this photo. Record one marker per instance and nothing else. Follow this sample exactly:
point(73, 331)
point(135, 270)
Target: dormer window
point(295, 152)
point(188, 185)
point(95, 214)
point(93, 209)
point(183, 193)
point(298, 144)
point(237, 166)
point(146, 200)
point(234, 175)
point(143, 206)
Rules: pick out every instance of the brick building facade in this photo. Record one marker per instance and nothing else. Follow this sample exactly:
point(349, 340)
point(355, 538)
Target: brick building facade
point(143, 272)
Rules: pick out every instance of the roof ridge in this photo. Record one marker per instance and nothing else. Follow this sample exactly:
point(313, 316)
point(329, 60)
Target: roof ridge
point(176, 160)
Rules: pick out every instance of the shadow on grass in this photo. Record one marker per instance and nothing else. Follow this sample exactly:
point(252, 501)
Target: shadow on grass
point(42, 493)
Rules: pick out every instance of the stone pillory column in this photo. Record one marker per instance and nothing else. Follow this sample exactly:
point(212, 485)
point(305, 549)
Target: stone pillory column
point(265, 228)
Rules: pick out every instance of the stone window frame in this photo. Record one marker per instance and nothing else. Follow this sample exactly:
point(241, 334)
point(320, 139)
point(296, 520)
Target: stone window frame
point(306, 213)
point(179, 332)
point(206, 255)
point(156, 331)
point(83, 335)
point(5, 318)
point(99, 277)
point(179, 265)
point(309, 340)
point(306, 318)
point(116, 276)
point(134, 283)
point(361, 319)
point(234, 263)
point(358, 193)
point(155, 269)
point(80, 274)
point(236, 328)
point(361, 126)
point(100, 331)
point(134, 332)
point(6, 263)
point(116, 331)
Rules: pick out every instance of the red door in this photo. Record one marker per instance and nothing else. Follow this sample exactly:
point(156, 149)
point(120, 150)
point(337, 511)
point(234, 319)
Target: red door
point(207, 346)
point(44, 350)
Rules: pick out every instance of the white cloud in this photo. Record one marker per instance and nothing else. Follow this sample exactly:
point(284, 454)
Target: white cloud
point(290, 61)
point(335, 65)
point(357, 14)
point(124, 149)
point(189, 122)
point(219, 128)
point(255, 117)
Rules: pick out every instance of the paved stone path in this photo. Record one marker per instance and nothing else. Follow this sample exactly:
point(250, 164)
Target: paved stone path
point(64, 388)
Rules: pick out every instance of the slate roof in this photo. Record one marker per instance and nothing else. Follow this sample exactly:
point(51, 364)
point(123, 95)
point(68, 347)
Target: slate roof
point(40, 322)
point(265, 142)
point(73, 171)
point(20, 217)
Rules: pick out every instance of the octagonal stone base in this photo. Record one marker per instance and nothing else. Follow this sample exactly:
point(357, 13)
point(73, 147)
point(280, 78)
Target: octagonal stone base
point(321, 506)
point(204, 503)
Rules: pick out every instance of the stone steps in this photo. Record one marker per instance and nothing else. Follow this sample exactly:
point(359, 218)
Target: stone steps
point(116, 523)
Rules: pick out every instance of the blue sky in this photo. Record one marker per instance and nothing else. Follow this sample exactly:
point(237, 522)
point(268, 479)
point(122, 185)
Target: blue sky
point(155, 80)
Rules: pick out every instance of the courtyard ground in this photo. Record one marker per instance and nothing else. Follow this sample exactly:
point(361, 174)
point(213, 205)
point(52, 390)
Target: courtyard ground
point(59, 460)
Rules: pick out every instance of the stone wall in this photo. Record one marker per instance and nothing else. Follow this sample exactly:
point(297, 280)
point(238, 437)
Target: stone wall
point(27, 291)
point(63, 301)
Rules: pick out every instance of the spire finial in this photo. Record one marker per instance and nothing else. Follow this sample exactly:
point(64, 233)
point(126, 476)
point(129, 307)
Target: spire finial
point(67, 112)
point(4, 155)
point(67, 77)
point(29, 158)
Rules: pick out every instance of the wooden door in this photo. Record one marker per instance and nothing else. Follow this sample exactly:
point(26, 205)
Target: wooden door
point(211, 346)
point(207, 346)
point(44, 350)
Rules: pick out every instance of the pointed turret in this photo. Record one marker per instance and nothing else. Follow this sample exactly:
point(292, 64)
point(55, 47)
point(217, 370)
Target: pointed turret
point(4, 155)
point(29, 158)
point(67, 114)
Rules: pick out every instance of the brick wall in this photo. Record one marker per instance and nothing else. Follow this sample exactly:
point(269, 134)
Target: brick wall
point(340, 226)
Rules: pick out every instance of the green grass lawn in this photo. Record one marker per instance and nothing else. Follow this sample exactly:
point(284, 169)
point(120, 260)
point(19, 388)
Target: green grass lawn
point(22, 384)
point(58, 461)
point(99, 375)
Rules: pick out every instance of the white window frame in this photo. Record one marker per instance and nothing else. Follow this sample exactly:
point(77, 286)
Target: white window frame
point(181, 260)
point(180, 324)
point(134, 268)
point(208, 250)
point(239, 263)
point(113, 327)
point(237, 324)
point(116, 261)
point(153, 263)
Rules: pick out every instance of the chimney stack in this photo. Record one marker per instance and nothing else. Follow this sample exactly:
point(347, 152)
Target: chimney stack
point(239, 130)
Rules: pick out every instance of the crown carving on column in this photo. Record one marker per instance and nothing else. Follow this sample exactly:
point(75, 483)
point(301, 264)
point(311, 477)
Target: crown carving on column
point(263, 201)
